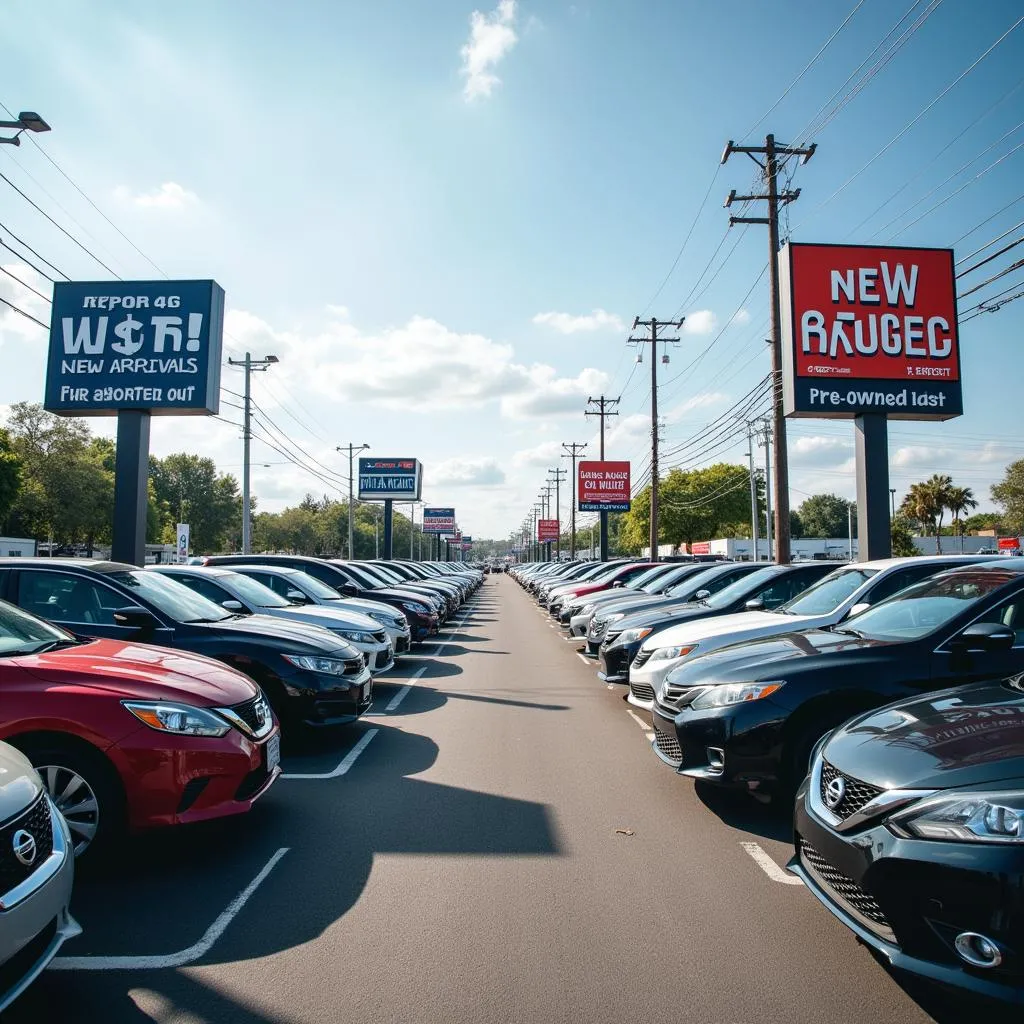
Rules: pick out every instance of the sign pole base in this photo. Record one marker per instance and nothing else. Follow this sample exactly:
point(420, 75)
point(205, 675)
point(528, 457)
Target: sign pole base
point(131, 495)
point(874, 537)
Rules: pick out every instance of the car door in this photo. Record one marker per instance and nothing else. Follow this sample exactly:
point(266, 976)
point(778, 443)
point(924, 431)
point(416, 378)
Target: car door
point(950, 668)
point(783, 588)
point(80, 604)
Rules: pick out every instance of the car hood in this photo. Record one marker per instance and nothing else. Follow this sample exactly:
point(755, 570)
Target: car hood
point(329, 618)
point(401, 594)
point(19, 784)
point(746, 625)
point(142, 672)
point(362, 606)
point(661, 615)
point(311, 639)
point(967, 736)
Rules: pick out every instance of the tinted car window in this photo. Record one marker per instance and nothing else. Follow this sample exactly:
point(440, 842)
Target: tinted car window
point(712, 580)
point(170, 597)
point(255, 593)
point(784, 589)
point(829, 593)
point(206, 588)
point(278, 584)
point(745, 585)
point(899, 580)
point(1009, 613)
point(68, 598)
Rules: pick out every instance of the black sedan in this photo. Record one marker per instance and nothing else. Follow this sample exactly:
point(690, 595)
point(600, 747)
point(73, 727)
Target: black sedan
point(310, 676)
point(910, 829)
point(421, 613)
point(749, 715)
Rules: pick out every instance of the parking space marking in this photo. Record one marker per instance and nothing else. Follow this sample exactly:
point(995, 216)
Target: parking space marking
point(185, 956)
point(769, 867)
point(346, 763)
point(404, 691)
point(584, 658)
point(648, 732)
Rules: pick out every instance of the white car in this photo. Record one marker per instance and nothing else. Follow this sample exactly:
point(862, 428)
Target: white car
point(237, 593)
point(833, 598)
point(298, 587)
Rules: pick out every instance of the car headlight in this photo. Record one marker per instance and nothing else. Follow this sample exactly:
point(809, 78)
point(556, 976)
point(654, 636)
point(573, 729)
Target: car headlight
point(356, 637)
point(180, 719)
point(312, 663)
point(630, 636)
point(666, 653)
point(965, 818)
point(724, 694)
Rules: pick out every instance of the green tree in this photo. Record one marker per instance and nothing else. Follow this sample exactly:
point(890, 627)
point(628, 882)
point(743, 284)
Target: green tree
point(1008, 494)
point(982, 521)
point(960, 500)
point(10, 474)
point(926, 503)
point(197, 494)
point(827, 515)
point(902, 537)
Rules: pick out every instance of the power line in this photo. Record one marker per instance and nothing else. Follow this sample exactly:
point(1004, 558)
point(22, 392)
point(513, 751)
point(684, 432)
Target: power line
point(27, 316)
point(25, 245)
point(24, 285)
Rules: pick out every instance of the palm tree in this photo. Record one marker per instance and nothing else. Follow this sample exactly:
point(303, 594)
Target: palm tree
point(958, 501)
point(940, 485)
point(919, 506)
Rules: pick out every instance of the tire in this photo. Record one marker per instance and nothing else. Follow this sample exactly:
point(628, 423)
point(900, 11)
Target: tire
point(86, 790)
point(798, 762)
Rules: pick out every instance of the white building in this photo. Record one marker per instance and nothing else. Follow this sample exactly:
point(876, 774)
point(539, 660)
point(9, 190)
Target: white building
point(17, 547)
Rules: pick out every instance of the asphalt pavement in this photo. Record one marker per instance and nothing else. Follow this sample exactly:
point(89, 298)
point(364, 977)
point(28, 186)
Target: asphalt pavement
point(495, 842)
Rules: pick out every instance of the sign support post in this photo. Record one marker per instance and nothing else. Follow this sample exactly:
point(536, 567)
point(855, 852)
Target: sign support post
point(388, 530)
point(872, 448)
point(131, 487)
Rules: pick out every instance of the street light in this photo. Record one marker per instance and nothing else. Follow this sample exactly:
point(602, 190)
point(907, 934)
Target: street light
point(28, 121)
point(351, 449)
point(250, 365)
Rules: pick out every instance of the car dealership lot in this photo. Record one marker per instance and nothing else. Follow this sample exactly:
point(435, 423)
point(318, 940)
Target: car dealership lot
point(504, 834)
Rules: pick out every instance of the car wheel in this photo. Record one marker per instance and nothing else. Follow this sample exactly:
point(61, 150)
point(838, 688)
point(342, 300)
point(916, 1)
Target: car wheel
point(799, 760)
point(86, 792)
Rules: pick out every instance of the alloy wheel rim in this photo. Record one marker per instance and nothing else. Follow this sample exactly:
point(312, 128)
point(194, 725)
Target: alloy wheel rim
point(77, 802)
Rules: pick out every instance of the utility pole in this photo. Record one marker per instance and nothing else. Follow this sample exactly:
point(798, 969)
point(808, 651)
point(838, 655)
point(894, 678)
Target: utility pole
point(250, 366)
point(351, 449)
point(764, 438)
point(776, 200)
point(605, 408)
point(892, 499)
point(653, 340)
point(753, 489)
point(572, 451)
point(558, 474)
point(545, 497)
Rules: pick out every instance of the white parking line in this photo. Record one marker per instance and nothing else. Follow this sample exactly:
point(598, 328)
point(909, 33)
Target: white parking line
point(769, 867)
point(648, 732)
point(404, 691)
point(346, 763)
point(584, 658)
point(185, 956)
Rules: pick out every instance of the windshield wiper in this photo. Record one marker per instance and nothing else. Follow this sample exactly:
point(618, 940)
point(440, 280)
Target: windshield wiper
point(42, 646)
point(849, 632)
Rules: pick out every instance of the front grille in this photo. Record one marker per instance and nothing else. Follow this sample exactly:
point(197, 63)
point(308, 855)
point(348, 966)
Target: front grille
point(845, 889)
point(668, 744)
point(856, 795)
point(36, 821)
point(379, 638)
point(672, 694)
point(597, 629)
point(254, 713)
point(642, 691)
point(610, 638)
point(642, 658)
point(354, 666)
point(402, 645)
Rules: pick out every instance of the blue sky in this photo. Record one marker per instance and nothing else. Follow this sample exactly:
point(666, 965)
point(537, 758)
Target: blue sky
point(443, 217)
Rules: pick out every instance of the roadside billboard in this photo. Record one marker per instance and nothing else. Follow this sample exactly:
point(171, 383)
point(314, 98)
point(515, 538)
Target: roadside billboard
point(603, 487)
point(395, 479)
point(869, 329)
point(144, 345)
point(438, 520)
point(547, 529)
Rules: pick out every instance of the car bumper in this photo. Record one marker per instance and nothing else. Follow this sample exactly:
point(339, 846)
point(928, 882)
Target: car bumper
point(652, 673)
point(34, 927)
point(908, 899)
point(379, 657)
point(736, 746)
point(423, 626)
point(615, 662)
point(578, 625)
point(178, 780)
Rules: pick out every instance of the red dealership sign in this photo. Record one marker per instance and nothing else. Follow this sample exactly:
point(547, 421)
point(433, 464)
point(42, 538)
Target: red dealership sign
point(700, 547)
point(603, 486)
point(869, 329)
point(1009, 544)
point(547, 529)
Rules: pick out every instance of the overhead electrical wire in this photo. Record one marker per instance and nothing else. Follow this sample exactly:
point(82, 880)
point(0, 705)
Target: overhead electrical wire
point(38, 256)
point(27, 316)
point(25, 285)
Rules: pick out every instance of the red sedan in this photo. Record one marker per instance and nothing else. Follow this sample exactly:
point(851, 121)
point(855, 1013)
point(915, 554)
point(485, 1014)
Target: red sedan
point(132, 736)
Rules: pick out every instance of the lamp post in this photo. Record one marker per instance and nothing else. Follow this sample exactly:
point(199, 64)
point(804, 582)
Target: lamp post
point(250, 365)
point(28, 121)
point(351, 449)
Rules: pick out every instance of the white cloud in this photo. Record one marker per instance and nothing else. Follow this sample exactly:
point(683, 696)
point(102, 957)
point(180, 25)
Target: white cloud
point(340, 312)
point(491, 37)
point(406, 368)
point(628, 429)
point(819, 450)
point(700, 321)
point(25, 298)
point(472, 472)
point(568, 323)
point(169, 196)
point(546, 455)
point(741, 318)
point(702, 401)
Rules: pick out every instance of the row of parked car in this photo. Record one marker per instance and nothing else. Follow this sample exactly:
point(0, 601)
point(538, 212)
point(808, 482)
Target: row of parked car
point(136, 698)
point(885, 698)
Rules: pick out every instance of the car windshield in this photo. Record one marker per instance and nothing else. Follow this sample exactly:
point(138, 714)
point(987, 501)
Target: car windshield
point(362, 577)
point(829, 593)
point(312, 586)
point(21, 633)
point(641, 581)
point(255, 593)
point(742, 587)
point(169, 596)
point(925, 607)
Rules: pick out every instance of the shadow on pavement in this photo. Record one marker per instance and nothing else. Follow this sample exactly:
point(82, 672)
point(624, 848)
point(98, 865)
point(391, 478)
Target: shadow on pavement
point(423, 699)
point(741, 812)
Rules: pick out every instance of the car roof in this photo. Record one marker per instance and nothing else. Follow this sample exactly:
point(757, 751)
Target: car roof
point(889, 563)
point(285, 570)
point(93, 564)
point(1009, 566)
point(203, 570)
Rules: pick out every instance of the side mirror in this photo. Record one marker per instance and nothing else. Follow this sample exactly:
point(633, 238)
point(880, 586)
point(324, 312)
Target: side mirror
point(986, 636)
point(863, 606)
point(617, 583)
point(134, 617)
point(702, 595)
point(755, 604)
point(233, 606)
point(297, 597)
point(348, 590)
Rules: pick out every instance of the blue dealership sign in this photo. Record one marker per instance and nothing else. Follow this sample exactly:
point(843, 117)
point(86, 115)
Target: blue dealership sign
point(395, 479)
point(438, 520)
point(149, 345)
